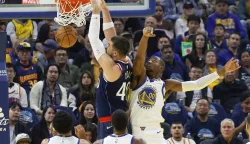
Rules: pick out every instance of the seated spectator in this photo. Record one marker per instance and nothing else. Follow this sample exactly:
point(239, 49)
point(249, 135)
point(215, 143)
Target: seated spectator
point(181, 23)
point(69, 74)
point(174, 69)
point(212, 66)
point(91, 132)
point(199, 48)
point(191, 97)
point(16, 92)
point(244, 71)
point(49, 47)
point(16, 127)
point(23, 138)
point(232, 51)
point(170, 10)
point(202, 127)
point(85, 90)
point(49, 91)
point(219, 42)
point(239, 116)
point(229, 91)
point(226, 137)
point(177, 131)
point(41, 130)
point(222, 16)
point(119, 25)
point(88, 113)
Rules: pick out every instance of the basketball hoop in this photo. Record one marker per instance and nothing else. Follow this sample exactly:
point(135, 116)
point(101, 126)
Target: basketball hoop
point(72, 11)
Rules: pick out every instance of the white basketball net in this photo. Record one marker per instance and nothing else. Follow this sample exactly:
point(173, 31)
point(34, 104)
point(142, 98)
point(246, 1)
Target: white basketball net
point(76, 15)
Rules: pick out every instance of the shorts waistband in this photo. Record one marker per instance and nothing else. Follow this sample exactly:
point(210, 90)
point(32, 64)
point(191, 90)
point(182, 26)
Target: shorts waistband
point(105, 119)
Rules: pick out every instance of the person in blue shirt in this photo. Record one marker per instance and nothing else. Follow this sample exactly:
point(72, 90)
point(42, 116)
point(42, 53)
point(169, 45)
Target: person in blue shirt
point(202, 127)
point(232, 51)
point(219, 42)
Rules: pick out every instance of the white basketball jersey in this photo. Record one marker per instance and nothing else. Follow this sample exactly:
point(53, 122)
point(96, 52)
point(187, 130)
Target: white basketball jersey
point(147, 102)
point(114, 139)
point(64, 140)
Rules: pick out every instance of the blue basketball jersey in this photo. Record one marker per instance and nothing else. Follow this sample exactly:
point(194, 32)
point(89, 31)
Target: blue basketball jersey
point(111, 96)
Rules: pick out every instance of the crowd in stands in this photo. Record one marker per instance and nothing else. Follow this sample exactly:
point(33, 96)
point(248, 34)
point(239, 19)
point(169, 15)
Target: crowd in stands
point(193, 37)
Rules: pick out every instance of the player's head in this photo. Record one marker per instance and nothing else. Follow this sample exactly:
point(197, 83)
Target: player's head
point(155, 67)
point(10, 72)
point(177, 130)
point(63, 122)
point(119, 120)
point(118, 47)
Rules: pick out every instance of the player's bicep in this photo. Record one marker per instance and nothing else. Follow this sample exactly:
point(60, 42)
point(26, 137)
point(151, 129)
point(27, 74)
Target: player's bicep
point(45, 141)
point(109, 33)
point(173, 85)
point(138, 79)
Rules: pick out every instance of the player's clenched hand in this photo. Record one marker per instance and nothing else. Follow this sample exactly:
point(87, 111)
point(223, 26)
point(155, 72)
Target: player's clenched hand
point(232, 65)
point(80, 132)
point(103, 4)
point(148, 32)
point(95, 6)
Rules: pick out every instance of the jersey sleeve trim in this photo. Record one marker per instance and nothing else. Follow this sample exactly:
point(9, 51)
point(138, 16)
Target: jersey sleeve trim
point(78, 142)
point(145, 79)
point(163, 89)
point(132, 140)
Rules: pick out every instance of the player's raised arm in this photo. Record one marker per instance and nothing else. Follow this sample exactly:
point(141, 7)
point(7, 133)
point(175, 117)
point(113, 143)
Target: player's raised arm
point(108, 25)
point(173, 85)
point(139, 72)
point(111, 70)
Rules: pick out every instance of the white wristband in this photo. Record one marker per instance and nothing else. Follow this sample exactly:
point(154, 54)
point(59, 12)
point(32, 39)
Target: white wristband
point(108, 25)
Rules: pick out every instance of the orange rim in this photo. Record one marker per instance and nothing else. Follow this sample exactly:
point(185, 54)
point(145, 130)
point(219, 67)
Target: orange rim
point(65, 7)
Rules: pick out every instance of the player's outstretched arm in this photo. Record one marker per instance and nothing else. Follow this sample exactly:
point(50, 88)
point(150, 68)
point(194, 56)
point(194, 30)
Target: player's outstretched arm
point(139, 71)
point(111, 70)
point(108, 25)
point(174, 85)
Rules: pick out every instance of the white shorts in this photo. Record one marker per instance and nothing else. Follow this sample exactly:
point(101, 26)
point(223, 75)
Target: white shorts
point(151, 135)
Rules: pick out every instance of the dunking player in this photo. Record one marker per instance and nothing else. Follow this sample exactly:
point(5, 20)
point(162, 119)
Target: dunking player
point(115, 78)
point(148, 93)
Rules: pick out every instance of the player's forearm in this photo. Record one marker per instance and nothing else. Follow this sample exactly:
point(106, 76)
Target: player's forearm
point(108, 25)
point(200, 83)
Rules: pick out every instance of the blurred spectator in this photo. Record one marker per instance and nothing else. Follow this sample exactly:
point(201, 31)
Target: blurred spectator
point(202, 127)
point(16, 127)
point(170, 9)
point(177, 131)
point(16, 92)
point(244, 71)
point(174, 69)
point(27, 74)
point(22, 29)
point(181, 23)
point(191, 97)
point(69, 74)
point(212, 66)
point(48, 47)
point(244, 14)
point(91, 132)
point(230, 21)
point(49, 91)
point(233, 44)
point(219, 42)
point(41, 130)
point(119, 25)
point(229, 91)
point(239, 115)
point(129, 36)
point(193, 24)
point(85, 90)
point(227, 130)
point(88, 114)
point(23, 138)
point(199, 48)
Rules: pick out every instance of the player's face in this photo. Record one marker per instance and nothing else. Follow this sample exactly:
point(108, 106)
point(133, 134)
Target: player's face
point(24, 55)
point(177, 130)
point(86, 80)
point(246, 105)
point(227, 129)
point(202, 107)
point(210, 58)
point(14, 113)
point(153, 67)
point(49, 115)
point(61, 57)
point(52, 74)
point(11, 74)
point(89, 112)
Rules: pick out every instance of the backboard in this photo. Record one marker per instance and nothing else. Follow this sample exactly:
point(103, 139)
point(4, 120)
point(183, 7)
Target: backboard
point(46, 9)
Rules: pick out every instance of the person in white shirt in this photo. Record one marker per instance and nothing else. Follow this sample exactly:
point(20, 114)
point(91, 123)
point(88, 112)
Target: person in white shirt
point(177, 132)
point(16, 92)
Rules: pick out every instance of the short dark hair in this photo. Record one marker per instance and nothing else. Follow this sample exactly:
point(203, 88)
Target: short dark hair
point(90, 127)
point(234, 33)
point(196, 66)
point(15, 104)
point(164, 37)
point(10, 65)
point(203, 99)
point(194, 18)
point(118, 19)
point(127, 35)
point(176, 122)
point(63, 122)
point(166, 47)
point(157, 4)
point(245, 95)
point(60, 48)
point(220, 25)
point(47, 69)
point(119, 120)
point(121, 44)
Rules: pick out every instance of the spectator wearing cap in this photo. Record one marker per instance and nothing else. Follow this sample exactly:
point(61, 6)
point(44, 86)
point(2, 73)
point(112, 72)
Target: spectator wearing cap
point(244, 14)
point(49, 47)
point(222, 16)
point(27, 73)
point(181, 23)
point(23, 138)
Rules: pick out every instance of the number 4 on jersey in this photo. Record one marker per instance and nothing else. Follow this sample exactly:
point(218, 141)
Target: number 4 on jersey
point(123, 90)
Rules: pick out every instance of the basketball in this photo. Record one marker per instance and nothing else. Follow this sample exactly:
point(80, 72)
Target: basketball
point(66, 36)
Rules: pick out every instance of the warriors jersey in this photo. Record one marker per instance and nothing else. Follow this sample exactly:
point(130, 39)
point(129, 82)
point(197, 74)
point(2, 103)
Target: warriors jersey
point(64, 140)
point(111, 96)
point(123, 139)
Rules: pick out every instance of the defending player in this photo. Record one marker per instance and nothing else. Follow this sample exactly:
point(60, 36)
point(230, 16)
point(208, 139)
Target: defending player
point(149, 90)
point(115, 78)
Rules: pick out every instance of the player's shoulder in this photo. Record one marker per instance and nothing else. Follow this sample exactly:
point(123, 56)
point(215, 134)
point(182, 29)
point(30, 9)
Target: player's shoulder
point(138, 141)
point(82, 141)
point(45, 141)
